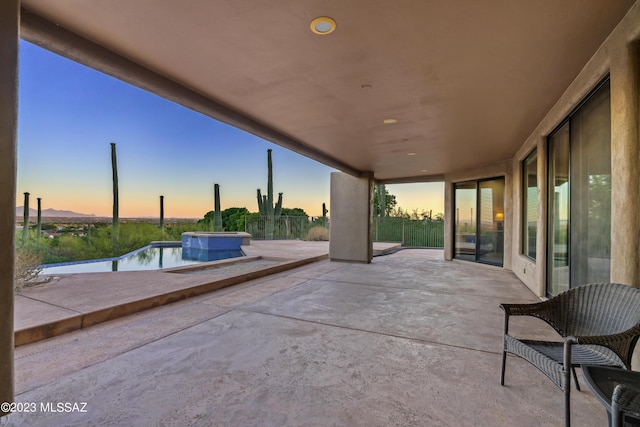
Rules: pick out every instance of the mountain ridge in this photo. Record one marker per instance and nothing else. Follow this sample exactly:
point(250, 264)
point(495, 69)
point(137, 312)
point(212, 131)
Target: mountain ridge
point(51, 213)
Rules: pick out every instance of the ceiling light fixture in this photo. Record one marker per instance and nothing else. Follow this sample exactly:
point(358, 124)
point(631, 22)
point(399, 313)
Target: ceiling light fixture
point(323, 25)
point(411, 154)
point(390, 121)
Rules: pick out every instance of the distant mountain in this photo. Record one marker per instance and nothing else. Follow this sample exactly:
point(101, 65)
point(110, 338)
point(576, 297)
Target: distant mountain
point(50, 213)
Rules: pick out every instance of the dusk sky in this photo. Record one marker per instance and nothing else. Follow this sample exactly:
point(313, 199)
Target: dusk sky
point(69, 114)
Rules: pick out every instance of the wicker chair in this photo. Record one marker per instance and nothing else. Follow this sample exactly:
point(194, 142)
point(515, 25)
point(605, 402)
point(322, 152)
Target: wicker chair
point(625, 400)
point(599, 324)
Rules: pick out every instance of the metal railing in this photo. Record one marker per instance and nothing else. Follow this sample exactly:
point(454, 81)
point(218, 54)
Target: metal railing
point(282, 227)
point(419, 233)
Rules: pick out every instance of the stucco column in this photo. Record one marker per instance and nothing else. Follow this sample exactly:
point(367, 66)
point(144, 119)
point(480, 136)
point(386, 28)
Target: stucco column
point(9, 23)
point(351, 204)
point(625, 161)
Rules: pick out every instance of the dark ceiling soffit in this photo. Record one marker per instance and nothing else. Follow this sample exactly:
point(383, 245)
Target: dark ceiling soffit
point(412, 179)
point(44, 33)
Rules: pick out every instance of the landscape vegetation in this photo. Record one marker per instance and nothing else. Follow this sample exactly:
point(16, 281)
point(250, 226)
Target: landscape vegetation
point(55, 240)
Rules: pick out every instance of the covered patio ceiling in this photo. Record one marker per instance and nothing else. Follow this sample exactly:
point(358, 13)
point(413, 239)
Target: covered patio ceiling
point(467, 81)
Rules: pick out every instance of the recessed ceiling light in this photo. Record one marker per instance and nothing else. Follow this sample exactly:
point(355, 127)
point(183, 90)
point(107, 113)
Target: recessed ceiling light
point(411, 154)
point(323, 25)
point(423, 170)
point(390, 121)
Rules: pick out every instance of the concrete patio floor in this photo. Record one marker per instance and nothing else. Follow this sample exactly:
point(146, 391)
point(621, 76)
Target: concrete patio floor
point(410, 339)
point(73, 301)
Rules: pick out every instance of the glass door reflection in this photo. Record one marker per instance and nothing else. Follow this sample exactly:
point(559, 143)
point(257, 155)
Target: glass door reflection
point(479, 221)
point(465, 228)
point(491, 224)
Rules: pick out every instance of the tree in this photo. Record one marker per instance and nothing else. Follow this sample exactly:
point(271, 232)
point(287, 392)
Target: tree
point(233, 219)
point(206, 222)
point(293, 212)
point(399, 213)
point(390, 200)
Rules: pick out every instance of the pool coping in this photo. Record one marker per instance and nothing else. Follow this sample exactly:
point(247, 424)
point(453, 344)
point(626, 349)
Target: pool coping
point(154, 244)
point(79, 300)
point(68, 323)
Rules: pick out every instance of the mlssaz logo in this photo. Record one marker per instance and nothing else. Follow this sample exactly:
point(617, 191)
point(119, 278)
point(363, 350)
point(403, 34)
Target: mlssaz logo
point(63, 407)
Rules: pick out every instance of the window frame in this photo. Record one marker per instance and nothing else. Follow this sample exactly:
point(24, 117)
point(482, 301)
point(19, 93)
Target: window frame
point(532, 157)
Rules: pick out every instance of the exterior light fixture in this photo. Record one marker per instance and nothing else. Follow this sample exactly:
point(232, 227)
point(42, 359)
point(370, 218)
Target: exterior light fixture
point(500, 221)
point(390, 121)
point(323, 25)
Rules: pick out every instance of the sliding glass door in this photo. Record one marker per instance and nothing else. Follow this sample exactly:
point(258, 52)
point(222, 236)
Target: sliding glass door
point(479, 223)
point(579, 226)
point(491, 223)
point(465, 239)
point(558, 237)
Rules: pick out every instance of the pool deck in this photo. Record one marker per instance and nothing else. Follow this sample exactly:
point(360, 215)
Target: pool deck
point(408, 340)
point(74, 301)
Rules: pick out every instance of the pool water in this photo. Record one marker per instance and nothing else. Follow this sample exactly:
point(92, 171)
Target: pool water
point(148, 258)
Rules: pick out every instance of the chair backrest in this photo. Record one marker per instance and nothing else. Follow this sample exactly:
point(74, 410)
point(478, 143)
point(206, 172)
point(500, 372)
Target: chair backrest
point(597, 309)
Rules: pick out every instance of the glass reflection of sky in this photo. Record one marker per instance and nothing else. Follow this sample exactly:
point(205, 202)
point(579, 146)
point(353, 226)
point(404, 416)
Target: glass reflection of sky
point(148, 259)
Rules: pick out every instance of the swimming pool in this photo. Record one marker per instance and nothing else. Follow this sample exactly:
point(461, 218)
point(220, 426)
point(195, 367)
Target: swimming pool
point(148, 258)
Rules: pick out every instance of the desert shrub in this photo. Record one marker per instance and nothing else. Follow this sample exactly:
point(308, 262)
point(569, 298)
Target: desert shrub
point(65, 248)
point(26, 268)
point(174, 231)
point(317, 234)
point(97, 242)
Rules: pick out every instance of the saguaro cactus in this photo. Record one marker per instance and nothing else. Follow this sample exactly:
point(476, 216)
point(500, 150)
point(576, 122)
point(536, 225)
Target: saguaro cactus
point(39, 228)
point(261, 205)
point(25, 224)
point(217, 215)
point(324, 214)
point(265, 202)
point(162, 213)
point(114, 170)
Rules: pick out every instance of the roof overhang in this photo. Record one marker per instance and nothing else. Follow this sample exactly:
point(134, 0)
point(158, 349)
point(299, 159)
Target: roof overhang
point(467, 81)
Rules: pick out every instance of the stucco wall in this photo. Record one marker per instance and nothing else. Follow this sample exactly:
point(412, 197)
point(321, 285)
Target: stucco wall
point(618, 57)
point(350, 235)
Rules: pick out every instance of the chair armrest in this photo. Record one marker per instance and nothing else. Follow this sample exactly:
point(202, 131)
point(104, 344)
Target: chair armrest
point(621, 343)
point(531, 309)
point(613, 339)
point(607, 340)
point(536, 309)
